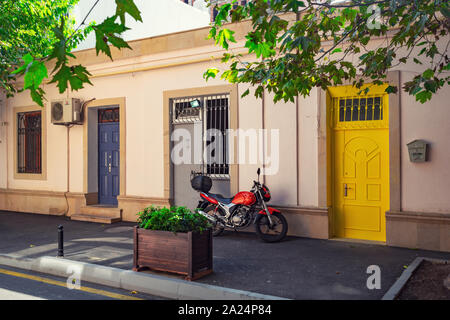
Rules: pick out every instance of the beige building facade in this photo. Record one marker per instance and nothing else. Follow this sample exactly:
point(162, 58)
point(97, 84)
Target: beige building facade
point(145, 83)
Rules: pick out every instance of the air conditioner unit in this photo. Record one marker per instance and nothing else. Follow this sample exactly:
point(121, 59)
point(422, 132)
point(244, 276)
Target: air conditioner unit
point(67, 111)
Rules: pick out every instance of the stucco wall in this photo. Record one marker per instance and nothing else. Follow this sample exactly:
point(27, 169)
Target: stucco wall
point(144, 128)
point(308, 122)
point(283, 117)
point(250, 117)
point(426, 186)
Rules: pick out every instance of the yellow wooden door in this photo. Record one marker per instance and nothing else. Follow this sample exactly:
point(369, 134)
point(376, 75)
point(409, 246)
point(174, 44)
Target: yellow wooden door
point(360, 161)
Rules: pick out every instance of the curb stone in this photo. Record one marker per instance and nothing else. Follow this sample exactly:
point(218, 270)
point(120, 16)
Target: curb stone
point(130, 280)
point(398, 285)
point(395, 289)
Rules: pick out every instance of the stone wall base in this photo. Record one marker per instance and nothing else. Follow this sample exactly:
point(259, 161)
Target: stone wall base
point(42, 202)
point(131, 205)
point(418, 230)
point(61, 203)
point(307, 222)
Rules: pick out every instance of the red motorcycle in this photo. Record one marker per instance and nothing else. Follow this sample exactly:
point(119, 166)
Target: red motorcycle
point(241, 210)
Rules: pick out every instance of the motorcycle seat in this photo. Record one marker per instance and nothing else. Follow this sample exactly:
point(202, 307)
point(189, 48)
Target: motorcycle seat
point(220, 198)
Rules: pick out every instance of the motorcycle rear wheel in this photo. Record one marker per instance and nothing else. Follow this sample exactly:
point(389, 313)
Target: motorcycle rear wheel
point(274, 234)
point(217, 229)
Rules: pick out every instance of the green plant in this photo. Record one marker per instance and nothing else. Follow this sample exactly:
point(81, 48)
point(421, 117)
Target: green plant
point(175, 219)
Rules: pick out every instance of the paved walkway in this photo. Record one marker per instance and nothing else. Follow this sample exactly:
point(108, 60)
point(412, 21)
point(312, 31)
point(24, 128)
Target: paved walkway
point(297, 268)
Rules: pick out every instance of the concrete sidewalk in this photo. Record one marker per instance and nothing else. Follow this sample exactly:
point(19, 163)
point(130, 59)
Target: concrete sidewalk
point(298, 268)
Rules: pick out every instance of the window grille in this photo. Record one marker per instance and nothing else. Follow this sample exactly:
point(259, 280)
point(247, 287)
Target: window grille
point(108, 115)
point(182, 112)
point(213, 110)
point(217, 117)
point(29, 149)
point(360, 109)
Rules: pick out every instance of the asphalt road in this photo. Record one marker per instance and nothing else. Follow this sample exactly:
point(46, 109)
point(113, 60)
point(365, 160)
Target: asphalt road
point(17, 284)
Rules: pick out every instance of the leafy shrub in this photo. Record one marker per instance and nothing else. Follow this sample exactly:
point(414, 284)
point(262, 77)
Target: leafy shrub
point(175, 219)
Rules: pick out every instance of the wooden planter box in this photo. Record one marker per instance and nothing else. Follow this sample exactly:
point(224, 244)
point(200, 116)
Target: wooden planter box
point(183, 253)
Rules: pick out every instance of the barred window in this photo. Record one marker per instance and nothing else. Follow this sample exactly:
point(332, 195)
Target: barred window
point(184, 112)
point(108, 115)
point(217, 118)
point(360, 109)
point(29, 142)
point(212, 112)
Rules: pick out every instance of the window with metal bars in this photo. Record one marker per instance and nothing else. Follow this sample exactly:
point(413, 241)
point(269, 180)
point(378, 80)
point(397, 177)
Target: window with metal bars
point(183, 112)
point(108, 115)
point(360, 109)
point(29, 148)
point(217, 117)
point(213, 113)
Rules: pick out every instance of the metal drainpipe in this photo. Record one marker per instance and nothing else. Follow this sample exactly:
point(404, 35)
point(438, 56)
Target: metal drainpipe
point(68, 169)
point(68, 153)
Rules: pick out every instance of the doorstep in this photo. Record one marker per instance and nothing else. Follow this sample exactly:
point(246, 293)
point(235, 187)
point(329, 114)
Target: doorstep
point(98, 214)
point(351, 240)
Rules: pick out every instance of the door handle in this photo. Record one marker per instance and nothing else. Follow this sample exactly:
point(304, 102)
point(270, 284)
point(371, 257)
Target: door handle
point(346, 189)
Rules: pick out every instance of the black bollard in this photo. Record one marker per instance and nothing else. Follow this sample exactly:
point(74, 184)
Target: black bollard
point(60, 241)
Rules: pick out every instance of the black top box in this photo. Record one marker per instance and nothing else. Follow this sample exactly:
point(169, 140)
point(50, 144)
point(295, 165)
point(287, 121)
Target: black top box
point(201, 183)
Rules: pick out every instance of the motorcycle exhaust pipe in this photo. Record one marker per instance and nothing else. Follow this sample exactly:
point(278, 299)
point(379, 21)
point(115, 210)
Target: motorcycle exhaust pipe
point(209, 217)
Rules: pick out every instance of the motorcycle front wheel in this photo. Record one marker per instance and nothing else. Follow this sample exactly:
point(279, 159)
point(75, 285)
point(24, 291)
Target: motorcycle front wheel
point(217, 229)
point(273, 233)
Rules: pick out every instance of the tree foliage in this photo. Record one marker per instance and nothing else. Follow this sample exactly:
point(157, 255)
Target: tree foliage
point(300, 45)
point(38, 33)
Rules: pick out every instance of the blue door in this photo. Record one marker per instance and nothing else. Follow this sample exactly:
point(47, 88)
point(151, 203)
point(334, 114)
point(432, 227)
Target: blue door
point(108, 161)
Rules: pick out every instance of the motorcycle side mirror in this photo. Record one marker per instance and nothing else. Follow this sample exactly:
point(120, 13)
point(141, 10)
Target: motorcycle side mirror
point(258, 172)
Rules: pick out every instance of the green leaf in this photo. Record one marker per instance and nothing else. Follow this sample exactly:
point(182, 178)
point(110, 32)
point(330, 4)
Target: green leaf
point(37, 96)
point(264, 49)
point(212, 33)
point(428, 74)
point(118, 42)
point(127, 6)
point(391, 89)
point(110, 26)
point(336, 50)
point(75, 83)
point(82, 73)
point(35, 74)
point(224, 36)
point(423, 96)
point(446, 12)
point(246, 93)
point(210, 73)
point(61, 78)
point(431, 85)
point(27, 59)
point(101, 43)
